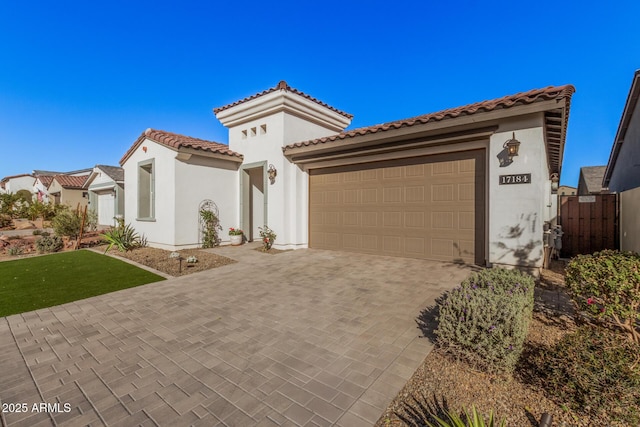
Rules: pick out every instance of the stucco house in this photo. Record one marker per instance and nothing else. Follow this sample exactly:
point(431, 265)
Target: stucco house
point(566, 190)
point(69, 190)
point(15, 183)
point(106, 193)
point(468, 184)
point(41, 187)
point(622, 173)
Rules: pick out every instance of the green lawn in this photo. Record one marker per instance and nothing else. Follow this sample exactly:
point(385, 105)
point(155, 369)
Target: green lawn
point(44, 281)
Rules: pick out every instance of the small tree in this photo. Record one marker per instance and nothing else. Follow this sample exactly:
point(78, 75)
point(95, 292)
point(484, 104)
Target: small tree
point(67, 223)
point(606, 287)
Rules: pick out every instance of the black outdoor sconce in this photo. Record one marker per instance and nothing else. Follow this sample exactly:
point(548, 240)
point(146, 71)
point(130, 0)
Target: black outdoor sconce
point(510, 150)
point(512, 146)
point(272, 173)
point(555, 180)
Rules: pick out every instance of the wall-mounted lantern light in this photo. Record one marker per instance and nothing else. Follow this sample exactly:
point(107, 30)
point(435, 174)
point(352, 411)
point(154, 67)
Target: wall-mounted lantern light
point(555, 180)
point(272, 172)
point(512, 146)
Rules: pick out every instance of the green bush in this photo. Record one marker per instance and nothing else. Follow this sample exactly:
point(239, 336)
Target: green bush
point(5, 221)
point(485, 320)
point(592, 370)
point(46, 244)
point(38, 209)
point(67, 223)
point(125, 238)
point(606, 287)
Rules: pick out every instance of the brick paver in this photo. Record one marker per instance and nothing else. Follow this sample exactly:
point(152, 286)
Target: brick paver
point(306, 337)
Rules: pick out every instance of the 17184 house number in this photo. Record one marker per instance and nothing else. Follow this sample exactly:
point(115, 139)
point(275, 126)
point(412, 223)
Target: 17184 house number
point(520, 178)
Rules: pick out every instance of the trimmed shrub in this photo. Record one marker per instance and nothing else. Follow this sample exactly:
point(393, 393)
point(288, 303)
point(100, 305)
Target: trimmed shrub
point(592, 370)
point(48, 243)
point(606, 287)
point(485, 320)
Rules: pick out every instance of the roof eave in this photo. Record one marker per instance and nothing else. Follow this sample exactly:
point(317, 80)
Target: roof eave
point(478, 119)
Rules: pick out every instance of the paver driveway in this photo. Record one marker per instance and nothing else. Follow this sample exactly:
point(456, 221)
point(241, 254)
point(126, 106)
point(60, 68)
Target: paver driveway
point(307, 338)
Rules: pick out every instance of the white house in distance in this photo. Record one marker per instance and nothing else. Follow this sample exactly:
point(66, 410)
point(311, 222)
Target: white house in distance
point(106, 193)
point(469, 184)
point(15, 183)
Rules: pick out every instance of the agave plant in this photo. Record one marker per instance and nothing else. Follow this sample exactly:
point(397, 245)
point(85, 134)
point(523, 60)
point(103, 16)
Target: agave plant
point(124, 238)
point(473, 419)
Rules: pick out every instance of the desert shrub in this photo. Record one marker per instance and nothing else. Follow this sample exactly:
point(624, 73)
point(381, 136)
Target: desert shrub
point(5, 221)
point(91, 220)
point(47, 244)
point(606, 287)
point(14, 250)
point(592, 370)
point(268, 237)
point(485, 320)
point(38, 209)
point(125, 238)
point(67, 223)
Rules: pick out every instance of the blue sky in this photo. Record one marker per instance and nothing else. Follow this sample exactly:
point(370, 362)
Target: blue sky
point(79, 81)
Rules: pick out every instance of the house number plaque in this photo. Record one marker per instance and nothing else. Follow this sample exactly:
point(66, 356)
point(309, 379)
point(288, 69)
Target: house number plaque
point(520, 178)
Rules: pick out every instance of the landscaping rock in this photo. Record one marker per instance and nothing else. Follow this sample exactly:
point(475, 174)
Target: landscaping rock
point(23, 224)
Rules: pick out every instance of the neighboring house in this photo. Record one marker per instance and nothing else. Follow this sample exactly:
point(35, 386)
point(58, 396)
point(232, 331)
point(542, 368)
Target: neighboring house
point(41, 187)
point(43, 179)
point(15, 183)
point(565, 190)
point(69, 190)
point(106, 193)
point(168, 176)
point(439, 186)
point(623, 170)
point(590, 181)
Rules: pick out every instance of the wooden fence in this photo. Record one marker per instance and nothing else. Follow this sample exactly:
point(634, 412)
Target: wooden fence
point(589, 224)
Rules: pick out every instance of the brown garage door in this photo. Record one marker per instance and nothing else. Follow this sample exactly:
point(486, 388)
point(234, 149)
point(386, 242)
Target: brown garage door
point(427, 207)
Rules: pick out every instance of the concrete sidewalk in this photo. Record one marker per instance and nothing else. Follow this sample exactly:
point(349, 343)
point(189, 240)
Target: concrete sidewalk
point(301, 338)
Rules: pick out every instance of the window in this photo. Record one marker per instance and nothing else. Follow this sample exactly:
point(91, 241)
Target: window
point(146, 190)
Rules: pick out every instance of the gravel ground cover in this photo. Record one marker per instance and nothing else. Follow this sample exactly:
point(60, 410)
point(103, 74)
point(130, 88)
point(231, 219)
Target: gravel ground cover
point(441, 381)
point(159, 259)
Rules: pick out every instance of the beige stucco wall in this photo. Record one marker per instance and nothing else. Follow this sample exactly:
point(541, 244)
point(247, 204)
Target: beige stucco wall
point(68, 197)
point(630, 220)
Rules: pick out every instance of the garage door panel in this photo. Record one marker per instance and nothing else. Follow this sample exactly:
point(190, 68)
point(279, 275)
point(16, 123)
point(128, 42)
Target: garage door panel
point(428, 208)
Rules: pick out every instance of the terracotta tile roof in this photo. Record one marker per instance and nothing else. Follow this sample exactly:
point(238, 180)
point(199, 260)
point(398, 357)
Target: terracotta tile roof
point(523, 98)
point(70, 181)
point(282, 86)
point(45, 179)
point(178, 141)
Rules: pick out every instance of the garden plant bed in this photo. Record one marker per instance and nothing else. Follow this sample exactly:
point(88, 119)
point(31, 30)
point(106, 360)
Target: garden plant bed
point(27, 241)
point(158, 259)
point(272, 251)
point(442, 378)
